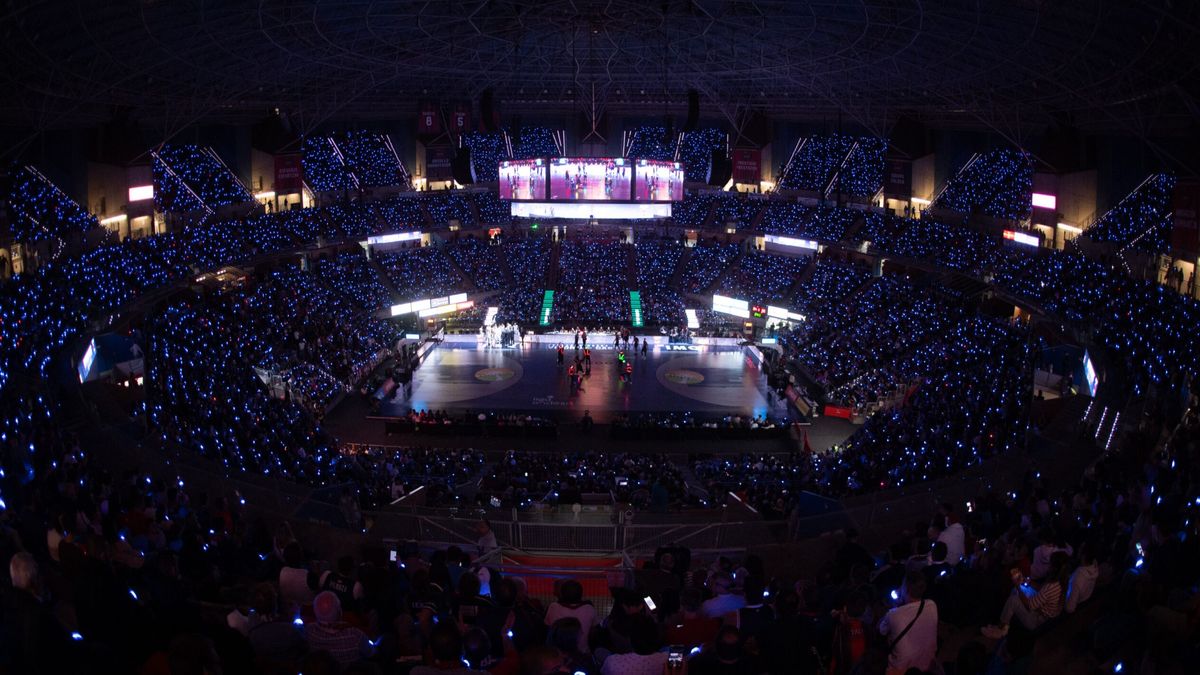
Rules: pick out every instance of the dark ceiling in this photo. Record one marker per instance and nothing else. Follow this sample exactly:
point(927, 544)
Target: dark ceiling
point(1003, 64)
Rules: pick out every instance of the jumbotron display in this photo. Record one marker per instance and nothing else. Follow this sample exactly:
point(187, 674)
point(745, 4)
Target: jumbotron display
point(601, 179)
point(591, 179)
point(523, 179)
point(658, 181)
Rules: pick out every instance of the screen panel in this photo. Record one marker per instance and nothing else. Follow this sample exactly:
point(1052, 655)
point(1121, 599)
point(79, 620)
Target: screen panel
point(601, 179)
point(522, 179)
point(657, 181)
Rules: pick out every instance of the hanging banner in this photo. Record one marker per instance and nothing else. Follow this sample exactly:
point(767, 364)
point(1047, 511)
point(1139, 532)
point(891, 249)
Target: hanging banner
point(1185, 202)
point(437, 162)
point(460, 121)
point(428, 121)
point(289, 174)
point(897, 178)
point(747, 165)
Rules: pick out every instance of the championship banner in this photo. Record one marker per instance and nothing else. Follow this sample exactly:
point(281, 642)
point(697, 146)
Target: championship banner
point(1185, 202)
point(747, 165)
point(428, 121)
point(460, 121)
point(897, 178)
point(437, 162)
point(289, 174)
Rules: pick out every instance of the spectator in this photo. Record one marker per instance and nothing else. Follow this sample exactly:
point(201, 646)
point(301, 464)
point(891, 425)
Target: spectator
point(1083, 580)
point(724, 600)
point(445, 653)
point(342, 582)
point(1033, 607)
point(347, 644)
point(570, 604)
point(726, 657)
point(911, 628)
point(645, 659)
point(296, 582)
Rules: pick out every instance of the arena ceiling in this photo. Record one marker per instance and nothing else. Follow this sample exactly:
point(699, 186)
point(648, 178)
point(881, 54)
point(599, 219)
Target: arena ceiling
point(1004, 64)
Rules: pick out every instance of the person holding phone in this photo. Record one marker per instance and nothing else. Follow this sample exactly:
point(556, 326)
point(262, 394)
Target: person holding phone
point(911, 628)
point(1033, 606)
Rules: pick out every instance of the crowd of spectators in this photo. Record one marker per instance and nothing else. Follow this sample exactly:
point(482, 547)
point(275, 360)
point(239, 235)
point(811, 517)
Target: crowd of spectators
point(352, 275)
point(696, 152)
point(972, 405)
point(448, 205)
point(593, 283)
point(325, 168)
point(521, 479)
point(199, 171)
point(421, 272)
point(707, 262)
point(39, 211)
point(693, 210)
point(487, 149)
point(812, 167)
point(650, 143)
point(656, 263)
point(491, 210)
point(386, 473)
point(763, 277)
point(1142, 219)
point(480, 261)
point(862, 174)
point(768, 483)
point(794, 219)
point(372, 159)
point(534, 142)
point(528, 262)
point(998, 183)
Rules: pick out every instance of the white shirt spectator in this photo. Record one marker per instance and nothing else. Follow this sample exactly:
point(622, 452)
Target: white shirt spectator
point(1082, 585)
point(293, 586)
point(918, 648)
point(722, 604)
point(586, 613)
point(954, 537)
point(634, 664)
point(1040, 566)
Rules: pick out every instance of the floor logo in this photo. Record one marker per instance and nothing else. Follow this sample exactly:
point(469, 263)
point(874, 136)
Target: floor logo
point(494, 374)
point(686, 377)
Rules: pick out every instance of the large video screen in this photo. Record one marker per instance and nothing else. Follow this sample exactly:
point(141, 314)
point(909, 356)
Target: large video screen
point(658, 181)
point(595, 180)
point(523, 179)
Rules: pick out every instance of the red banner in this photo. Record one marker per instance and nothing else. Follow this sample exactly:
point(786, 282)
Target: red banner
point(747, 165)
point(437, 162)
point(839, 411)
point(897, 178)
point(289, 174)
point(428, 121)
point(1185, 237)
point(460, 121)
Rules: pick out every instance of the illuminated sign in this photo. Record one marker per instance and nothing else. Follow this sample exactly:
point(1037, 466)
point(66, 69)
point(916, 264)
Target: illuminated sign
point(774, 312)
point(1043, 201)
point(758, 311)
point(791, 242)
point(392, 238)
point(89, 357)
point(1022, 238)
point(446, 308)
point(693, 321)
point(732, 306)
point(141, 193)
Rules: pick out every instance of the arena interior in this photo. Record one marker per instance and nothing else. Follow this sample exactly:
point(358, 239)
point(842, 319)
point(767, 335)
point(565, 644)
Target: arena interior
point(594, 337)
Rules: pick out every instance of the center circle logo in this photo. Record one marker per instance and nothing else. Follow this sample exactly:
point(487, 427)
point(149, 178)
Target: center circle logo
point(494, 374)
point(685, 377)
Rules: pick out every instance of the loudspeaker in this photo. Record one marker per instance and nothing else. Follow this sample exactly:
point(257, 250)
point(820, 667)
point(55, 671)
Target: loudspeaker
point(487, 110)
point(693, 115)
point(460, 167)
point(514, 127)
point(668, 130)
point(720, 169)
